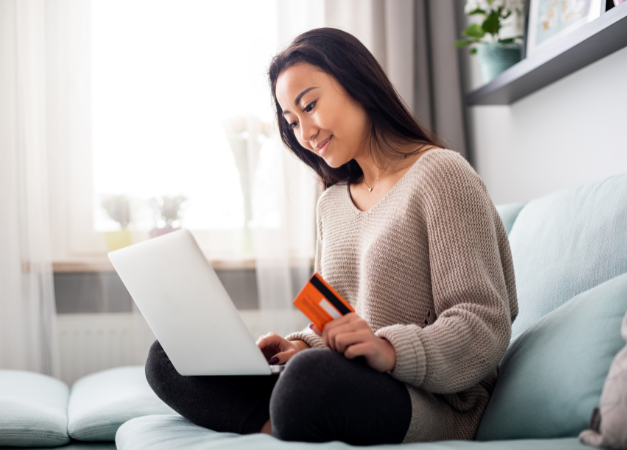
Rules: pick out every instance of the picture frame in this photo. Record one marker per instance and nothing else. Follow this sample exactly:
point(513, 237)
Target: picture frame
point(549, 21)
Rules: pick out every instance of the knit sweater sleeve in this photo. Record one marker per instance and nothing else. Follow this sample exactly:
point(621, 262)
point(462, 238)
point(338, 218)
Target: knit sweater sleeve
point(473, 324)
point(307, 335)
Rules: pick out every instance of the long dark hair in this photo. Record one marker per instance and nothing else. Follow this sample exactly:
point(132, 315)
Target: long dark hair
point(343, 56)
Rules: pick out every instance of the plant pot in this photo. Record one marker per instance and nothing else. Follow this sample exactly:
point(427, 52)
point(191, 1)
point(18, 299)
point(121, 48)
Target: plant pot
point(156, 232)
point(495, 58)
point(118, 239)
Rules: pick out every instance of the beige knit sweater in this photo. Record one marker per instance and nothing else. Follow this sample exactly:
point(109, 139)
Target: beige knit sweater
point(429, 268)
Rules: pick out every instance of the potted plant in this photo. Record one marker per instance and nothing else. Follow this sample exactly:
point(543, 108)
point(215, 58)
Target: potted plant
point(118, 208)
point(496, 54)
point(167, 214)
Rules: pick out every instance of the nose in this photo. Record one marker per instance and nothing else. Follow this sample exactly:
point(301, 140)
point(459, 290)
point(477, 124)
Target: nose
point(308, 131)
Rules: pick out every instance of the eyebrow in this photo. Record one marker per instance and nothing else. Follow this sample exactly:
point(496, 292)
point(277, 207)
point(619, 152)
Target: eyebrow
point(299, 96)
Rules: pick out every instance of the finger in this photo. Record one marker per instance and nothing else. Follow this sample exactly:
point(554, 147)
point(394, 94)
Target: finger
point(271, 337)
point(363, 349)
point(337, 322)
point(344, 340)
point(275, 342)
point(265, 340)
point(263, 336)
point(330, 326)
point(340, 321)
point(282, 357)
point(269, 345)
point(346, 328)
point(268, 351)
point(316, 330)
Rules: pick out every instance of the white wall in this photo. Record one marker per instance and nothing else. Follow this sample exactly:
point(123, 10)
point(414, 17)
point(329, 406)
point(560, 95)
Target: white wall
point(568, 133)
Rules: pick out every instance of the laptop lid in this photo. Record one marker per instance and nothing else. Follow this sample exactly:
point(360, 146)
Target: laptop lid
point(187, 308)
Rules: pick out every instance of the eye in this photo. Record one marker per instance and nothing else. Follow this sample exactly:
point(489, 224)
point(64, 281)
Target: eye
point(292, 125)
point(309, 107)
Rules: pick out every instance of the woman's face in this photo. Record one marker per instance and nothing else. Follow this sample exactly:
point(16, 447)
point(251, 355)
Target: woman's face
point(324, 118)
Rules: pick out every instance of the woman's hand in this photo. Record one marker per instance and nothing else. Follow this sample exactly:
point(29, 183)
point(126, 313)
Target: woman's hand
point(352, 336)
point(277, 349)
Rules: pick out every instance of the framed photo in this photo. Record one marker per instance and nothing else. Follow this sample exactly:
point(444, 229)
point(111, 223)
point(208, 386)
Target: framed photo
point(548, 21)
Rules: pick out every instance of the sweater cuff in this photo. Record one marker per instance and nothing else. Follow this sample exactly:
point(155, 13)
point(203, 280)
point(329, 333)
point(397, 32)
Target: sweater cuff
point(410, 355)
point(311, 338)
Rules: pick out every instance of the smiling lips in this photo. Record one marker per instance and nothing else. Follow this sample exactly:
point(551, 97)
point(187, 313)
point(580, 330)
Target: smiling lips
point(324, 145)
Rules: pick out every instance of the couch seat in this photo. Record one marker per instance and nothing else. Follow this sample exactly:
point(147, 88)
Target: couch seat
point(166, 432)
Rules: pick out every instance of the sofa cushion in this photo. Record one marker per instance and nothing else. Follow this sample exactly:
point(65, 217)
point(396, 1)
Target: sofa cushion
point(552, 375)
point(171, 432)
point(33, 410)
point(101, 402)
point(73, 445)
point(509, 213)
point(566, 243)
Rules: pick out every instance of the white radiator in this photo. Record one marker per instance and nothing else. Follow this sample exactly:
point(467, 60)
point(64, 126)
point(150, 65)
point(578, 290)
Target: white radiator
point(90, 343)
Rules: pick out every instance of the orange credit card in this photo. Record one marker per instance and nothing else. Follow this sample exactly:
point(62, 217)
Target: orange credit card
point(320, 302)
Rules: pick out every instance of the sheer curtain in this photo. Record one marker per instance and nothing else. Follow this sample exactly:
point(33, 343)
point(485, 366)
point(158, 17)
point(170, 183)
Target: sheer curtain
point(28, 339)
point(285, 192)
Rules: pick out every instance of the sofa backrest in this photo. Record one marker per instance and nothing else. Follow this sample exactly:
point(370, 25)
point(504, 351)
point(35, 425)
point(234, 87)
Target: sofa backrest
point(509, 214)
point(566, 243)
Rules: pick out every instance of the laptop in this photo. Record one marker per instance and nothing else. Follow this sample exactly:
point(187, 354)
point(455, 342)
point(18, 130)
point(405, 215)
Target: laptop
point(187, 308)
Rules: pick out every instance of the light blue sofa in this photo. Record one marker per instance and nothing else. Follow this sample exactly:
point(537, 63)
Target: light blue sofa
point(570, 258)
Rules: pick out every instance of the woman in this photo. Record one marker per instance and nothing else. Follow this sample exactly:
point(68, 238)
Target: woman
point(408, 235)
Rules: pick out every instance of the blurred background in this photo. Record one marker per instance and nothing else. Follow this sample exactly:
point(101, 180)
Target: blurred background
point(121, 121)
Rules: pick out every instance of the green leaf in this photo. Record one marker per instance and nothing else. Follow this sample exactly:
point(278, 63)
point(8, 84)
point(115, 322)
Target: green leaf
point(473, 51)
point(477, 11)
point(460, 43)
point(474, 31)
point(491, 24)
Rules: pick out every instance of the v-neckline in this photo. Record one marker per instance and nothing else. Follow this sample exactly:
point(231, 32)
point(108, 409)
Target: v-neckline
point(359, 212)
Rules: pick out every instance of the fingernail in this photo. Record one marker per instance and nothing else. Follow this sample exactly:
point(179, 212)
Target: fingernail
point(273, 360)
point(311, 325)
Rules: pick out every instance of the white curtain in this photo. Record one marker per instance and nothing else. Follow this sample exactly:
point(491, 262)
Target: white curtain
point(283, 231)
point(28, 339)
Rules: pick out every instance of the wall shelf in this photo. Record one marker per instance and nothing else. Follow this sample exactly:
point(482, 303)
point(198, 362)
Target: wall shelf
point(582, 47)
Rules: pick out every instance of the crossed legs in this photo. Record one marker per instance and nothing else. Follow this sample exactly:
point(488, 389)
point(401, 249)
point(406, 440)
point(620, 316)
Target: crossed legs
point(321, 396)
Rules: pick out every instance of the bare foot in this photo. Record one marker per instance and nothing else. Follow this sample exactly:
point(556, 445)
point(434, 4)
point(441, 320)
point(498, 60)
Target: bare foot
point(266, 428)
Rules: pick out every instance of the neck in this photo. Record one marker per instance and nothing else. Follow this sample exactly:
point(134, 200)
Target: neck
point(380, 165)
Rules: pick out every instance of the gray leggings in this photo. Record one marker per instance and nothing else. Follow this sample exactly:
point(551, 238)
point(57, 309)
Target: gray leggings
point(320, 396)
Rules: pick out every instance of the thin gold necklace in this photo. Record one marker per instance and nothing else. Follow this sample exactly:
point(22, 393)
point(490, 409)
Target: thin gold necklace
point(370, 188)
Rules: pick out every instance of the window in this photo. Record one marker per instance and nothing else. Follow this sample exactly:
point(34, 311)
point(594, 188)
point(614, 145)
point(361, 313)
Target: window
point(175, 111)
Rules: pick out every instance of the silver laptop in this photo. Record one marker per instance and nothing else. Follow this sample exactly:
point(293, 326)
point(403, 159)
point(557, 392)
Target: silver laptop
point(187, 308)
